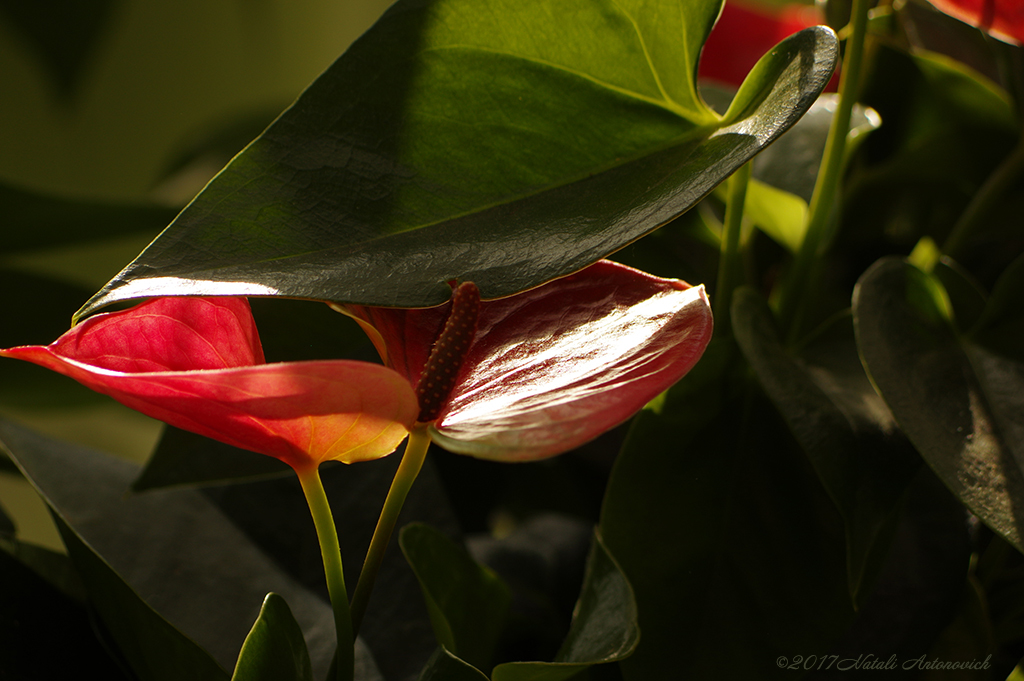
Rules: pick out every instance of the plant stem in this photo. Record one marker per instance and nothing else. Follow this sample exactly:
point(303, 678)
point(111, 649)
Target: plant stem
point(984, 200)
point(729, 264)
point(826, 186)
point(412, 461)
point(327, 534)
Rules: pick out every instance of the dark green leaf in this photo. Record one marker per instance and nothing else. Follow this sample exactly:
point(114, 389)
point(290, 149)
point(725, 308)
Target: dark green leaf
point(184, 458)
point(274, 650)
point(166, 570)
point(918, 589)
point(716, 519)
point(49, 565)
point(1002, 323)
point(779, 214)
point(604, 627)
point(946, 409)
point(444, 666)
point(792, 163)
point(45, 635)
point(846, 430)
point(154, 648)
point(467, 602)
point(945, 129)
point(452, 142)
point(966, 297)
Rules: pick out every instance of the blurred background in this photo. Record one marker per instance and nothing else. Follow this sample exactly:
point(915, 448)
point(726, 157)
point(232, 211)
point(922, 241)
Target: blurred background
point(113, 114)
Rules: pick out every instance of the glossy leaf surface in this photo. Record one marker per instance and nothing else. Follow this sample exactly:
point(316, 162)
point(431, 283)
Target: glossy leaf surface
point(957, 403)
point(552, 368)
point(274, 650)
point(375, 173)
point(467, 602)
point(198, 364)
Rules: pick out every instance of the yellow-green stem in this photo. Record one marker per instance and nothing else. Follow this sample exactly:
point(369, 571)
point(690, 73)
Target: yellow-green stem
point(729, 263)
point(412, 461)
point(795, 295)
point(327, 534)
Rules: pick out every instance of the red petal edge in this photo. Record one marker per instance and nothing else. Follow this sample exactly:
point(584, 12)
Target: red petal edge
point(302, 413)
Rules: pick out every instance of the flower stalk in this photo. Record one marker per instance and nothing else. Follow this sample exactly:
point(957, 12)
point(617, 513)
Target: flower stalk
point(730, 262)
point(795, 297)
point(327, 535)
point(412, 461)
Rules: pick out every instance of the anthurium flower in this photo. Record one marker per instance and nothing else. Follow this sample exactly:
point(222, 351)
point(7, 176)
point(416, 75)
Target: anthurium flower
point(745, 32)
point(1003, 19)
point(553, 367)
point(197, 363)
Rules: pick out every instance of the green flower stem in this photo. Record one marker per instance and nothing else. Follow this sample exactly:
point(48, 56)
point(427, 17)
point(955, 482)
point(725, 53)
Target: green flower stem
point(326, 532)
point(729, 264)
point(826, 187)
point(412, 461)
point(987, 196)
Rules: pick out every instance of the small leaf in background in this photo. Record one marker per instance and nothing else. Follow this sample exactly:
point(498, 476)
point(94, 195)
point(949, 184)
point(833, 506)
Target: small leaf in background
point(846, 430)
point(779, 214)
point(947, 408)
point(467, 602)
point(198, 364)
point(604, 626)
point(443, 666)
point(556, 366)
point(274, 650)
point(327, 206)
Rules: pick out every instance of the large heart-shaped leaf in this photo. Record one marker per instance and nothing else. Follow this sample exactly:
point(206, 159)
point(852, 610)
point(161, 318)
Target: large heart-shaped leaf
point(477, 141)
point(957, 401)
